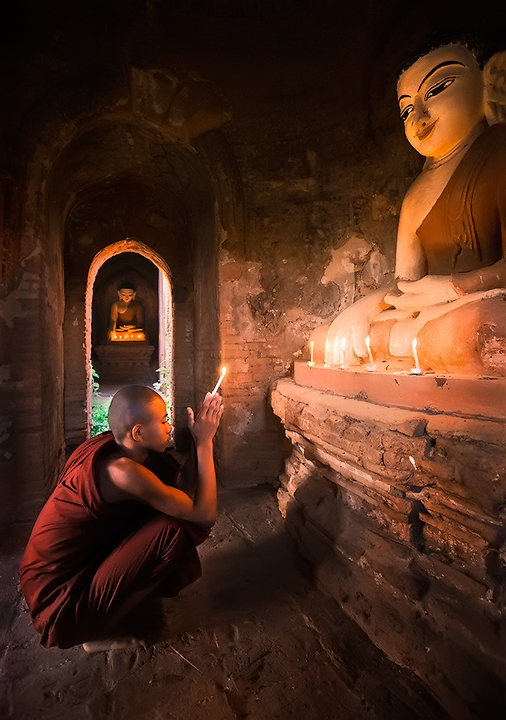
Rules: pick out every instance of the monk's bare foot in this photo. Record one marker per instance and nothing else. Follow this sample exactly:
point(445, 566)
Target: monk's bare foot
point(104, 644)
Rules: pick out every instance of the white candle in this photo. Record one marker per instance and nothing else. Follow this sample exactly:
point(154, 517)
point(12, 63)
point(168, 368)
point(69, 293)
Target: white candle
point(220, 379)
point(368, 346)
point(342, 349)
point(311, 345)
point(415, 354)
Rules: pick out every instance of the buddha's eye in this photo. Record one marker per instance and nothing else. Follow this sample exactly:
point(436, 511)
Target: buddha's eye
point(438, 87)
point(406, 112)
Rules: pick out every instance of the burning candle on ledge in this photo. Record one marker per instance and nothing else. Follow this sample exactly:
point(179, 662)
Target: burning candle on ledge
point(311, 362)
point(326, 361)
point(220, 380)
point(371, 367)
point(342, 354)
point(417, 370)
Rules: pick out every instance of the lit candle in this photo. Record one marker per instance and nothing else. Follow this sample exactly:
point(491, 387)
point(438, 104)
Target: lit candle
point(220, 380)
point(371, 367)
point(417, 370)
point(311, 346)
point(342, 350)
point(368, 346)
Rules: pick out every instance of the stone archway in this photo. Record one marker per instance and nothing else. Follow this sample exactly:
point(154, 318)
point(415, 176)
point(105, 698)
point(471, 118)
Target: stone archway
point(165, 322)
point(142, 153)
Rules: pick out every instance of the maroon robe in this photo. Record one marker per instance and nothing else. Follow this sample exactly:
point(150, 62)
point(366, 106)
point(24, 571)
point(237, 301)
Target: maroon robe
point(85, 556)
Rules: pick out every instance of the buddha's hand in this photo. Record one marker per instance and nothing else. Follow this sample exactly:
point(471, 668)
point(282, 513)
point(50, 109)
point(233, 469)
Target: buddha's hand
point(429, 290)
point(347, 333)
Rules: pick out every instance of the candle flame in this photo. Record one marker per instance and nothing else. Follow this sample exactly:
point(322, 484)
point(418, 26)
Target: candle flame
point(368, 342)
point(414, 343)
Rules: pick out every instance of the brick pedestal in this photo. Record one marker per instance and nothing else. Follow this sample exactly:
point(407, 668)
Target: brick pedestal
point(125, 362)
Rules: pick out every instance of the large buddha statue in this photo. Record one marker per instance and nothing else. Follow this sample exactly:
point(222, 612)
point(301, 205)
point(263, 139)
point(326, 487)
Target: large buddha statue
point(127, 316)
point(450, 291)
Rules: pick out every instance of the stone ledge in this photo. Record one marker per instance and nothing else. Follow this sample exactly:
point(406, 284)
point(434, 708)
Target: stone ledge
point(462, 396)
point(444, 424)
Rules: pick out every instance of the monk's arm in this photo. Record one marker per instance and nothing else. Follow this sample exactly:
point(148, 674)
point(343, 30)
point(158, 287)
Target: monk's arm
point(187, 476)
point(136, 481)
point(203, 428)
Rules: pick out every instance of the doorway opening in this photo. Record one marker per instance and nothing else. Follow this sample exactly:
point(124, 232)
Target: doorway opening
point(146, 358)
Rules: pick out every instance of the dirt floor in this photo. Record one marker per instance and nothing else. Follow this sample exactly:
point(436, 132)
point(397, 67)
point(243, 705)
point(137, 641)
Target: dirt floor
point(253, 638)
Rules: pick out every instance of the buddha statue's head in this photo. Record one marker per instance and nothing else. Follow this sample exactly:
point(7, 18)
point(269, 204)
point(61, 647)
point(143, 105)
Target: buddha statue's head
point(441, 99)
point(126, 294)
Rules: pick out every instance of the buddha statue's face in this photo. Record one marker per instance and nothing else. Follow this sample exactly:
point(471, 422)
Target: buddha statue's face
point(441, 99)
point(126, 294)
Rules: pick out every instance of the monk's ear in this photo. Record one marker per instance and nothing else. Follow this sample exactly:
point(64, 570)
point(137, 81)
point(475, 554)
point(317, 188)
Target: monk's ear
point(136, 432)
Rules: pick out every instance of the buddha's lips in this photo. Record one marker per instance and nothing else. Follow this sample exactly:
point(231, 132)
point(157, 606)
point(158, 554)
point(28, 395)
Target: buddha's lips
point(426, 131)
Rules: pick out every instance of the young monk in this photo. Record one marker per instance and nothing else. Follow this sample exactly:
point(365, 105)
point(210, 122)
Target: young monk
point(120, 523)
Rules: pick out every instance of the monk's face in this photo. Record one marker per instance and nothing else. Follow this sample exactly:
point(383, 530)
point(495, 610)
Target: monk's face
point(441, 99)
point(156, 430)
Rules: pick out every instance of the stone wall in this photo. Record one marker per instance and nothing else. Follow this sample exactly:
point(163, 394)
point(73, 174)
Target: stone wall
point(401, 514)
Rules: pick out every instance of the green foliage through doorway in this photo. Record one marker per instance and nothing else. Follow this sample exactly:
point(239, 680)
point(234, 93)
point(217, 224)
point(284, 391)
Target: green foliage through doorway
point(99, 407)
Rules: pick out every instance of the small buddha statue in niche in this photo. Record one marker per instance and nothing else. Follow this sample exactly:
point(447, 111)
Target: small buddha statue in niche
point(451, 241)
point(127, 317)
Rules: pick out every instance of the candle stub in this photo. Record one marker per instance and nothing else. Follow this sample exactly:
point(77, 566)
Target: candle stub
point(417, 370)
point(311, 361)
point(371, 367)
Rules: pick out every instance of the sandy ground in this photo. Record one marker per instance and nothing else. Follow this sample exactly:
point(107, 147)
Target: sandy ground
point(253, 639)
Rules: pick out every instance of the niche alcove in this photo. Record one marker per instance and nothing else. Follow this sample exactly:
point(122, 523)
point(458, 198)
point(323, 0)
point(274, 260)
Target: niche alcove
point(131, 356)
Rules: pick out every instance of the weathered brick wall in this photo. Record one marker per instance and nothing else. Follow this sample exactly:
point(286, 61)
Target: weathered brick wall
point(402, 515)
point(250, 449)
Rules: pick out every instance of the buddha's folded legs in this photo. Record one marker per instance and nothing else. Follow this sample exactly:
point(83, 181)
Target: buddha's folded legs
point(469, 340)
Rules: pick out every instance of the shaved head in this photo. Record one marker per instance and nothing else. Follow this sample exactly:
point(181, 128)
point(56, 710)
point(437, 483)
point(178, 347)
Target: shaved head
point(130, 406)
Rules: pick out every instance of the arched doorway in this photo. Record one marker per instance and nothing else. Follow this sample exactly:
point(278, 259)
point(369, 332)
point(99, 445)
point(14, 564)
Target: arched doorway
point(163, 346)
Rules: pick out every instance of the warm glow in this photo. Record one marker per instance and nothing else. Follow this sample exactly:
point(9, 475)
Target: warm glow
point(127, 335)
point(220, 379)
point(415, 354)
point(368, 346)
point(311, 361)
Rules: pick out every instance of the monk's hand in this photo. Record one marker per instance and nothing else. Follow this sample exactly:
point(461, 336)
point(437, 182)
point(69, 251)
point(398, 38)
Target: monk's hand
point(205, 423)
point(429, 290)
